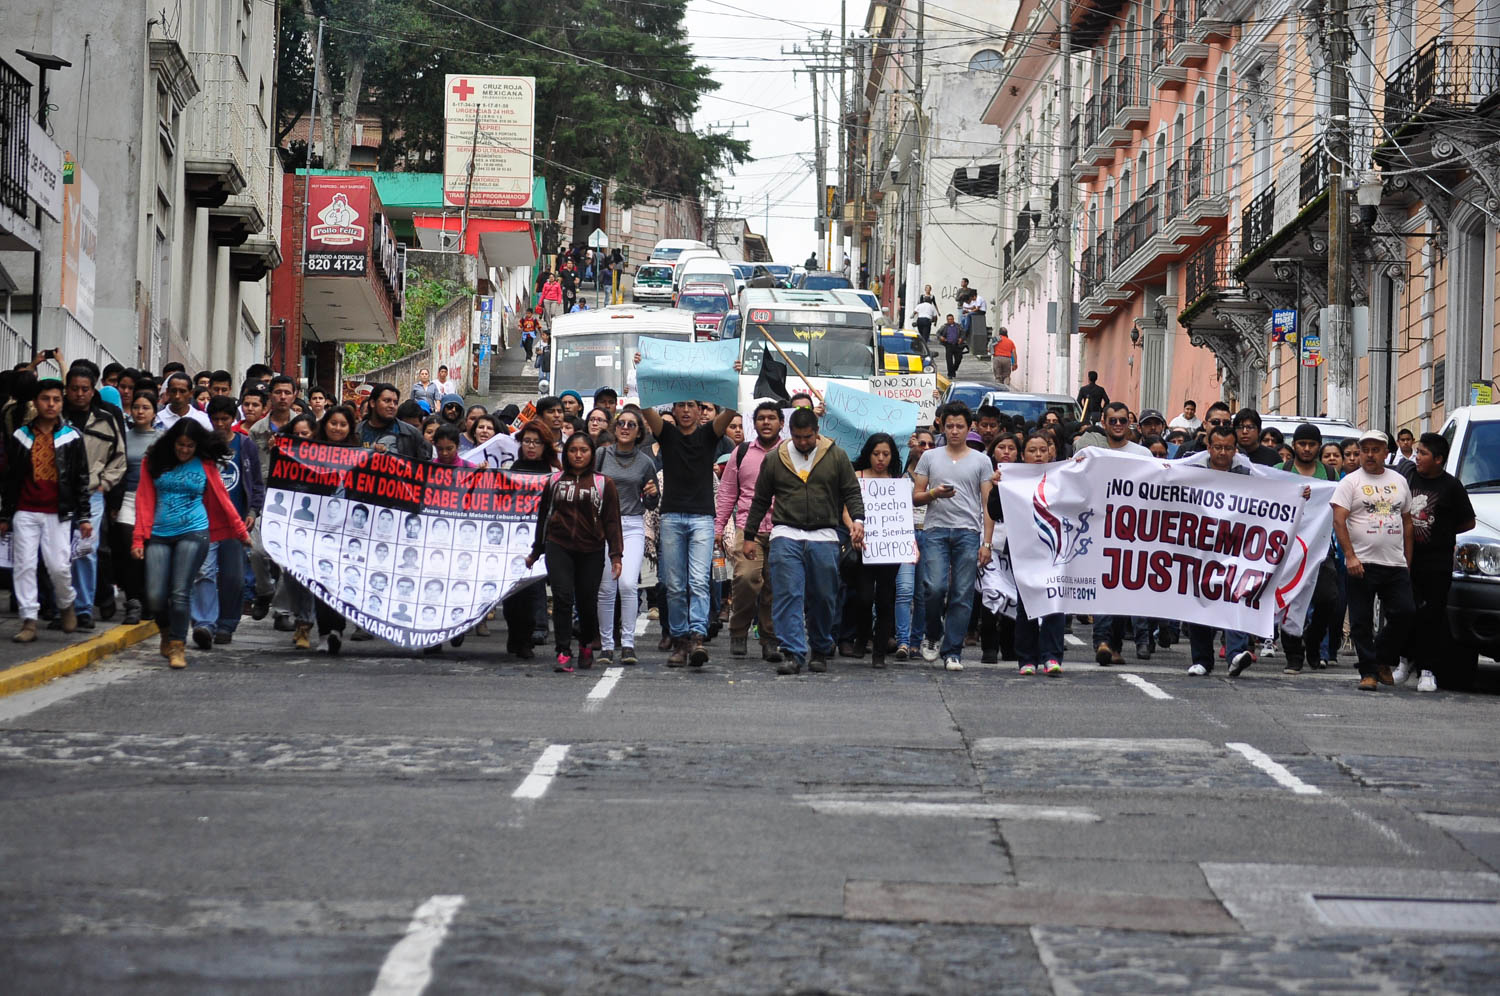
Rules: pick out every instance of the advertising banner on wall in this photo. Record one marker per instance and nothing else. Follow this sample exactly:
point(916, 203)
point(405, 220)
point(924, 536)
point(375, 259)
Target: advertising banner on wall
point(338, 225)
point(80, 242)
point(489, 123)
point(415, 553)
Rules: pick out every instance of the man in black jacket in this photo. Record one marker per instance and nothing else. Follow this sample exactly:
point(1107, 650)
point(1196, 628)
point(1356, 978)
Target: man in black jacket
point(1092, 398)
point(382, 430)
point(46, 492)
point(1247, 434)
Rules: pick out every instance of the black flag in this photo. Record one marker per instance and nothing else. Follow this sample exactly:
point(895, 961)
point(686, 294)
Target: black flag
point(771, 383)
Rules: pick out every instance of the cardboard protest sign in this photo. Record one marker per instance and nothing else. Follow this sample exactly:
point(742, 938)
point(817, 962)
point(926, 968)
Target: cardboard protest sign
point(890, 535)
point(496, 453)
point(920, 389)
point(1096, 534)
point(850, 417)
point(415, 553)
point(672, 370)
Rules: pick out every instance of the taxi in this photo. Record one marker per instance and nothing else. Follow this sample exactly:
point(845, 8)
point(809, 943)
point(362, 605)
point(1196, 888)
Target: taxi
point(904, 352)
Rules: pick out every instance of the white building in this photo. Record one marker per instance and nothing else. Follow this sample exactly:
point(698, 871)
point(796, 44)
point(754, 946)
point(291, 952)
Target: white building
point(169, 118)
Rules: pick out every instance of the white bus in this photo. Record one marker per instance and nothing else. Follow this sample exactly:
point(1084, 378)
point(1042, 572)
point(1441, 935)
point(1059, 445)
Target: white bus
point(828, 340)
point(596, 348)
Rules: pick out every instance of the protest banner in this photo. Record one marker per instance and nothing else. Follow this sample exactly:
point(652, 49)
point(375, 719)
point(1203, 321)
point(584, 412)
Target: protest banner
point(672, 370)
point(415, 553)
point(920, 389)
point(496, 453)
point(525, 415)
point(890, 535)
point(1093, 534)
point(850, 417)
point(997, 580)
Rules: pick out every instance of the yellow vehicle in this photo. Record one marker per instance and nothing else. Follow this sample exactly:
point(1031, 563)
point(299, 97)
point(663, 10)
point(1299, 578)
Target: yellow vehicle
point(902, 351)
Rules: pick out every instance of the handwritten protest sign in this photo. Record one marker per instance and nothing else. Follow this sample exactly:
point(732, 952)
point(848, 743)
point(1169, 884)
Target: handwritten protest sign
point(890, 537)
point(671, 370)
point(850, 417)
point(496, 453)
point(920, 389)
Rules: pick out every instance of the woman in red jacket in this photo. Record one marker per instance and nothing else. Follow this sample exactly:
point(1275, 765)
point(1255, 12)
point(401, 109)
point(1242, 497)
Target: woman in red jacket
point(579, 515)
point(180, 508)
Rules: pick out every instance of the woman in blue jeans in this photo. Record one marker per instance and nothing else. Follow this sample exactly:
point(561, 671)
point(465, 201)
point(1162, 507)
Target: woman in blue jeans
point(911, 600)
point(180, 508)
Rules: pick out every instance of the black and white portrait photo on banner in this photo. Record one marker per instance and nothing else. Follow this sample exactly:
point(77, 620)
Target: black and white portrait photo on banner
point(415, 553)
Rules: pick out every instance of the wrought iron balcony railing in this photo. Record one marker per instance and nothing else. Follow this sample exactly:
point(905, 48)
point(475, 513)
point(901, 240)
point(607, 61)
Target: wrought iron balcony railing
point(1442, 77)
point(1257, 223)
point(15, 138)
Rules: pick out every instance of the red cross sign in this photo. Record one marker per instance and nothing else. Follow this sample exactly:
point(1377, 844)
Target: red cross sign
point(463, 90)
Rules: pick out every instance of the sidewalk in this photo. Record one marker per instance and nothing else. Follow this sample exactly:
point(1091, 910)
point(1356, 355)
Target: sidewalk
point(56, 653)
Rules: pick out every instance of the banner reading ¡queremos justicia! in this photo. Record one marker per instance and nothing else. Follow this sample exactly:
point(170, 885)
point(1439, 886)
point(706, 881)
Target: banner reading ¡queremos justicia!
point(415, 553)
point(1125, 535)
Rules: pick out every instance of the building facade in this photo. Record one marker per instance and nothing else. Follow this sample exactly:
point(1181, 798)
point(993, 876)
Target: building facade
point(164, 247)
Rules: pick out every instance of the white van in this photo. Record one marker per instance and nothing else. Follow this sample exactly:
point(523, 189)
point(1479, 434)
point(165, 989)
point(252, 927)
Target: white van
point(706, 270)
point(667, 250)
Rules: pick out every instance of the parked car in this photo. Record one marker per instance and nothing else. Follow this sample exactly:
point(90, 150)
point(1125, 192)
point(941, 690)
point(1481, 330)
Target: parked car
point(970, 392)
point(708, 303)
point(904, 352)
point(1473, 434)
point(1334, 430)
point(822, 280)
point(1032, 407)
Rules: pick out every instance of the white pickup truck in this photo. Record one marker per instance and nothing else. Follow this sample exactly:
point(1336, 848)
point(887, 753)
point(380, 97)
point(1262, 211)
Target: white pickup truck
point(1473, 433)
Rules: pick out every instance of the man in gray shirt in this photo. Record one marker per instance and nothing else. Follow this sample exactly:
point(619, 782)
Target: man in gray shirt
point(954, 482)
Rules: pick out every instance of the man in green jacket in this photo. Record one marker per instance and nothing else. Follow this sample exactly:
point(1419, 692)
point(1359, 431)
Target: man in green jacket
point(812, 483)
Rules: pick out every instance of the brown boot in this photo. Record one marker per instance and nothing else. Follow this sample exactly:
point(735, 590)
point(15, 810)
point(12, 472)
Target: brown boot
point(697, 652)
point(679, 652)
point(166, 643)
point(177, 655)
point(27, 634)
point(302, 640)
point(69, 620)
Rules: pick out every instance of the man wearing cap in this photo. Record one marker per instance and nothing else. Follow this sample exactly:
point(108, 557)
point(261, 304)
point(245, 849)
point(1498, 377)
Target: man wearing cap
point(607, 399)
point(1372, 520)
point(1151, 423)
point(1307, 441)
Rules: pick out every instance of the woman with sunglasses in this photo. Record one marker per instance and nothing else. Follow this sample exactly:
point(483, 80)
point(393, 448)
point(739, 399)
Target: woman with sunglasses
point(526, 611)
point(911, 599)
point(634, 475)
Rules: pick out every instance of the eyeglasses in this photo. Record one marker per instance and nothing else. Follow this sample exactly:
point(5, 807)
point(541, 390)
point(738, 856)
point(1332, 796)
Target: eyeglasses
point(1117, 421)
point(1218, 421)
point(922, 444)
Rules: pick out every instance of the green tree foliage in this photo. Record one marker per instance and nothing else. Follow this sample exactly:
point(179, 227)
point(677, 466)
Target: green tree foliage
point(617, 85)
point(424, 294)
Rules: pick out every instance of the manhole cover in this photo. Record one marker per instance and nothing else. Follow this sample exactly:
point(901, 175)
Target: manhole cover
point(1465, 916)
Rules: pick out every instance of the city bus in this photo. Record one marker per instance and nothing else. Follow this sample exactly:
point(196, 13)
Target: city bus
point(828, 340)
point(596, 348)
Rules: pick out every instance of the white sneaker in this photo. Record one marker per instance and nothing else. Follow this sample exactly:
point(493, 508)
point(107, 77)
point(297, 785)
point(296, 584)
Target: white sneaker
point(1427, 683)
point(930, 651)
point(1402, 672)
point(1268, 648)
point(953, 664)
point(1198, 671)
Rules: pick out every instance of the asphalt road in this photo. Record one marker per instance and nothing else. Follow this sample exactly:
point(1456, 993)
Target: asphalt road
point(283, 822)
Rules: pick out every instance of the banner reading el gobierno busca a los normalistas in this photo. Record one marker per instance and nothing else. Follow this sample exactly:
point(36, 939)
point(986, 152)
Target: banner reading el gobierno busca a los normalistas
point(415, 553)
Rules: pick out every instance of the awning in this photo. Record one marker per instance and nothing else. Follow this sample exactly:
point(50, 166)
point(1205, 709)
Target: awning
point(504, 241)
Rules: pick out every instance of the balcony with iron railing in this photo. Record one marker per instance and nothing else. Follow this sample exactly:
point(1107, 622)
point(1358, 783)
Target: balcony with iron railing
point(1257, 221)
point(261, 253)
point(1135, 229)
point(1168, 35)
point(213, 131)
point(1132, 100)
point(15, 139)
point(1443, 79)
point(1203, 193)
point(1313, 179)
point(1209, 273)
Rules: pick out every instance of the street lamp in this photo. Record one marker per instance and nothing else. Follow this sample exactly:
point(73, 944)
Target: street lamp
point(1367, 195)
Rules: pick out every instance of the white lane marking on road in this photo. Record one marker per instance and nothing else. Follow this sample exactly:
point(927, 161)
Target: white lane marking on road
point(1277, 771)
point(408, 967)
point(950, 810)
point(641, 622)
point(1462, 823)
point(35, 699)
point(1144, 685)
point(1102, 744)
point(1072, 640)
point(1401, 844)
point(602, 688)
point(542, 772)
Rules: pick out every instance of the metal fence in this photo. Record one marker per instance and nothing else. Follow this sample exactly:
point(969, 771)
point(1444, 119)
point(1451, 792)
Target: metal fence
point(1211, 268)
point(1257, 222)
point(1442, 76)
point(15, 137)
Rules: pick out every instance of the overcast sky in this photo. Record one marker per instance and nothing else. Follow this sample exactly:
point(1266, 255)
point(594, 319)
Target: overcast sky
point(741, 41)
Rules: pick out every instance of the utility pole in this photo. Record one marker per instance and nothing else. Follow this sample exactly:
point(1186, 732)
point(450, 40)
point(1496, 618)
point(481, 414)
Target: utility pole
point(1064, 220)
point(842, 126)
point(1335, 328)
point(912, 277)
point(857, 171)
point(820, 65)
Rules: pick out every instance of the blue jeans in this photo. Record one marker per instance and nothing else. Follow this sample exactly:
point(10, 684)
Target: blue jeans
point(804, 595)
point(172, 562)
point(86, 569)
point(950, 565)
point(219, 589)
point(687, 564)
point(911, 601)
point(1201, 640)
point(1038, 640)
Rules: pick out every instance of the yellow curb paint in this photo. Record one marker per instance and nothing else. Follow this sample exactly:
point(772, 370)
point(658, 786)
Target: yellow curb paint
point(73, 658)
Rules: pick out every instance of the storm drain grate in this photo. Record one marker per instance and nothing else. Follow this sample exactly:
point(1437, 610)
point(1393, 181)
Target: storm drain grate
point(1466, 916)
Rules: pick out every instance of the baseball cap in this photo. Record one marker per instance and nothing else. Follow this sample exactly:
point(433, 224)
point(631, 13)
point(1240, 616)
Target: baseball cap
point(1307, 431)
point(606, 392)
point(1375, 436)
point(1149, 414)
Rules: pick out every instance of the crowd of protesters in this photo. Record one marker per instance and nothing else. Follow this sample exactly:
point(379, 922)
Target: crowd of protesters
point(141, 494)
